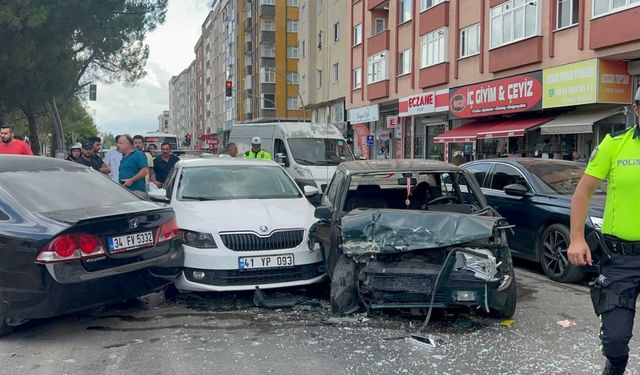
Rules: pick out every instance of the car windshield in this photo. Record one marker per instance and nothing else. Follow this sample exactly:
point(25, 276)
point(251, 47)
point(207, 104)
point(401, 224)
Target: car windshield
point(236, 182)
point(442, 191)
point(60, 189)
point(560, 178)
point(319, 151)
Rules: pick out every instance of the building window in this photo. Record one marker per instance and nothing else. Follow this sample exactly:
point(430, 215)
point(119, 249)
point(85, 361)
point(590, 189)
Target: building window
point(513, 20)
point(434, 47)
point(426, 4)
point(267, 2)
point(292, 77)
point(319, 78)
point(319, 5)
point(357, 78)
point(357, 34)
point(377, 67)
point(292, 52)
point(267, 25)
point(338, 112)
point(268, 50)
point(470, 40)
point(335, 72)
point(303, 48)
point(601, 7)
point(379, 26)
point(567, 13)
point(267, 75)
point(336, 31)
point(405, 11)
point(269, 101)
point(292, 102)
point(292, 26)
point(404, 62)
point(292, 3)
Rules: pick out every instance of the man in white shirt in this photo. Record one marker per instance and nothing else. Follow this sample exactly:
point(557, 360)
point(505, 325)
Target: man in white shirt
point(112, 159)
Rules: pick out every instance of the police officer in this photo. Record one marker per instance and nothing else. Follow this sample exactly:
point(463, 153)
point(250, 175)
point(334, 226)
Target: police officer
point(257, 152)
point(615, 290)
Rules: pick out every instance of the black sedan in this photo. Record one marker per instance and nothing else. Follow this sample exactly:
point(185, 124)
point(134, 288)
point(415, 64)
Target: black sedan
point(71, 239)
point(535, 196)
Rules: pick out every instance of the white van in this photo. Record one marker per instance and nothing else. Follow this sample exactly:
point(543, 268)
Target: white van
point(309, 152)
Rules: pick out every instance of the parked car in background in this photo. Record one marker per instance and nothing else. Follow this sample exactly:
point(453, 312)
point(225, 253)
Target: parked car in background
point(535, 196)
point(71, 239)
point(245, 225)
point(413, 234)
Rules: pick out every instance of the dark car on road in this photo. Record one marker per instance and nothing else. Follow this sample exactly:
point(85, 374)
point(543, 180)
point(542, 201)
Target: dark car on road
point(412, 234)
point(71, 239)
point(535, 195)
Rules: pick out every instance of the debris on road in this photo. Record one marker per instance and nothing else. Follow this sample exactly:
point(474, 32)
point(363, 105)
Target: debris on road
point(566, 323)
point(507, 322)
point(261, 300)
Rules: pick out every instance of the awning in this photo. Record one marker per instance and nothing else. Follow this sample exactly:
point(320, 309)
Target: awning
point(579, 121)
point(472, 131)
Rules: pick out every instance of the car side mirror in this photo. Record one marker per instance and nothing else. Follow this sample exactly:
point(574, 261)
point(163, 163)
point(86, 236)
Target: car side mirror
point(310, 191)
point(516, 190)
point(159, 195)
point(281, 158)
point(323, 213)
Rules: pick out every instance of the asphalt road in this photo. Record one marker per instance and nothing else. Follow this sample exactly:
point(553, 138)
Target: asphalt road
point(225, 333)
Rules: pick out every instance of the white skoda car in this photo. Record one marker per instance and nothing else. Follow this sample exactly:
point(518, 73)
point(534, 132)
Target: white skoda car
point(245, 224)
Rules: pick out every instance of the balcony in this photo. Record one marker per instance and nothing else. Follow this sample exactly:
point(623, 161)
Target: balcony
point(268, 62)
point(525, 52)
point(378, 43)
point(267, 37)
point(248, 23)
point(434, 18)
point(378, 90)
point(434, 75)
point(267, 11)
point(248, 82)
point(378, 4)
point(248, 47)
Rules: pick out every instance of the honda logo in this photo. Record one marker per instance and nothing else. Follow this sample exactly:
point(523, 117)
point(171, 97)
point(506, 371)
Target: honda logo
point(133, 223)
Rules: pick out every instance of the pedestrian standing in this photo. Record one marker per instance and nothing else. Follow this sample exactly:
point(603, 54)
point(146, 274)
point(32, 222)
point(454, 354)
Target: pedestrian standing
point(231, 151)
point(75, 151)
point(138, 143)
point(257, 152)
point(10, 145)
point(616, 288)
point(133, 167)
point(87, 157)
point(163, 164)
point(112, 159)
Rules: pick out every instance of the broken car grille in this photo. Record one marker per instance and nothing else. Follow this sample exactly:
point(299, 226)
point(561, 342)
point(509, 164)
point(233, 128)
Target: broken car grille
point(252, 242)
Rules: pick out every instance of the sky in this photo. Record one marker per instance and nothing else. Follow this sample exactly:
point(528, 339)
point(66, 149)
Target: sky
point(134, 109)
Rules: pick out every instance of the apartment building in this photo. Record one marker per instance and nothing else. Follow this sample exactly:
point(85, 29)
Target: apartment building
point(182, 102)
point(323, 70)
point(464, 79)
point(267, 55)
point(163, 122)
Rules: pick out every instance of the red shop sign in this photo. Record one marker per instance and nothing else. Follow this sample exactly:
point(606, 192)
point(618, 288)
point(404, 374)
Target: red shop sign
point(508, 95)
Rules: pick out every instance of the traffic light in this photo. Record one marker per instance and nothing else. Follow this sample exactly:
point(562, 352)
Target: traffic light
point(228, 86)
point(93, 92)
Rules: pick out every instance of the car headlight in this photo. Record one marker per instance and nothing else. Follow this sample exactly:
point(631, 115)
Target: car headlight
point(597, 222)
point(199, 240)
point(302, 172)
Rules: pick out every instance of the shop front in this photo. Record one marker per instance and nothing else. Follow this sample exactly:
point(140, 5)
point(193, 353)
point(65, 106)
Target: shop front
point(363, 121)
point(597, 93)
point(211, 142)
point(499, 118)
point(423, 117)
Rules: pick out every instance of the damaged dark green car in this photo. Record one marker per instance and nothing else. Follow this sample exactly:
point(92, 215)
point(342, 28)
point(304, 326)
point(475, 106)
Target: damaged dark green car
point(413, 234)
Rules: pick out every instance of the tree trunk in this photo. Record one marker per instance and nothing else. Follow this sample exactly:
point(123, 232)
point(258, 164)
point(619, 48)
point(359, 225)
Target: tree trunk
point(33, 130)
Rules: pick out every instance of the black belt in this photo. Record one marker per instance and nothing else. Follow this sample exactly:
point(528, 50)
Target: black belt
point(622, 247)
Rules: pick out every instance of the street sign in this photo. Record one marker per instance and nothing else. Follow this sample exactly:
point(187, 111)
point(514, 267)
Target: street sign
point(370, 140)
point(220, 130)
point(384, 136)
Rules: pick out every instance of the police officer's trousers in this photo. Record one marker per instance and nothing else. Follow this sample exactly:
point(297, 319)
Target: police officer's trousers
point(614, 295)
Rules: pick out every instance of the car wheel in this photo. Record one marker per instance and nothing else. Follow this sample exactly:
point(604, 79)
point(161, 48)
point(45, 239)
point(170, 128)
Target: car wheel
point(552, 251)
point(344, 291)
point(509, 308)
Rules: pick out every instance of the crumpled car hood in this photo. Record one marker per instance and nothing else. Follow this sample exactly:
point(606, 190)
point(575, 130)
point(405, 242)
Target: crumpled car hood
point(393, 231)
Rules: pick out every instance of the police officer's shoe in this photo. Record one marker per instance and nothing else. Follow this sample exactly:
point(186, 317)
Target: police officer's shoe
point(615, 367)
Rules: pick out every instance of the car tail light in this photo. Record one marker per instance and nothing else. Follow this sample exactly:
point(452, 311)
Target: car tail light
point(70, 246)
point(168, 231)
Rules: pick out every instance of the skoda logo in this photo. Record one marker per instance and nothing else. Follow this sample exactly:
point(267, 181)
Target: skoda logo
point(133, 223)
point(263, 229)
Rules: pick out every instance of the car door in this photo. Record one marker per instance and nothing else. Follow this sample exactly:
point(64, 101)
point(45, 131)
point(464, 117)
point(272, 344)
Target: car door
point(519, 211)
point(327, 232)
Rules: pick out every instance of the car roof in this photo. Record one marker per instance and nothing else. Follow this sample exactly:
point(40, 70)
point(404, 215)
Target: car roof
point(527, 162)
point(392, 165)
point(13, 163)
point(222, 161)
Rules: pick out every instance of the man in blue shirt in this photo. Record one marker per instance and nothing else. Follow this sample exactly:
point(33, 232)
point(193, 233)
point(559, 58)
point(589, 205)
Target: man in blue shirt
point(133, 167)
point(163, 164)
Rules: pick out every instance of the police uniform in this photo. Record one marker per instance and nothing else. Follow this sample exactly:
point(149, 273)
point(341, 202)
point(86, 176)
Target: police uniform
point(262, 154)
point(614, 293)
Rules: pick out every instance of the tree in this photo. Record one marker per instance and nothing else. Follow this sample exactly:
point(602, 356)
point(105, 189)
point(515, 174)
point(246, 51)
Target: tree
point(52, 49)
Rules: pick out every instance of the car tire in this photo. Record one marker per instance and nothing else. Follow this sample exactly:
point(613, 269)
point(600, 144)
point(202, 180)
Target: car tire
point(509, 308)
point(344, 291)
point(552, 253)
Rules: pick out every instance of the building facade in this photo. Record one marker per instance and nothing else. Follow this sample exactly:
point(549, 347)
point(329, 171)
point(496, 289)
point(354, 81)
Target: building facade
point(466, 79)
point(163, 122)
point(182, 102)
point(267, 54)
point(323, 45)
